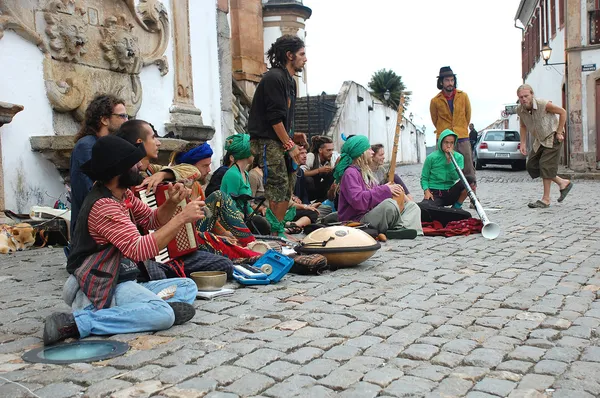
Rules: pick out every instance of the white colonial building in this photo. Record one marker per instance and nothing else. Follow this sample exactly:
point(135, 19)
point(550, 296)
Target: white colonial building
point(569, 33)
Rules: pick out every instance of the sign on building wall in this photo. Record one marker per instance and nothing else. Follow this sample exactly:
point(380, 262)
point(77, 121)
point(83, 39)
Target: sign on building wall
point(588, 68)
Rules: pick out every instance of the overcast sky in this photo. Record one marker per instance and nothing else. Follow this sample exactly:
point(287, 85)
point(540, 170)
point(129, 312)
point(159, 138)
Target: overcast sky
point(351, 39)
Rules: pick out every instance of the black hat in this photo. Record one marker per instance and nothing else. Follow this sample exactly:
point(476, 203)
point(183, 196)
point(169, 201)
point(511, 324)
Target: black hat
point(446, 71)
point(112, 156)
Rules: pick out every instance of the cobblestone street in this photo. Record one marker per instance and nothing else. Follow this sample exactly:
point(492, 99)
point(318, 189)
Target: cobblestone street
point(432, 317)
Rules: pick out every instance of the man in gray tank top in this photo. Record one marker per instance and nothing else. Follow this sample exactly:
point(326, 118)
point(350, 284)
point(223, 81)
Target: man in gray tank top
point(538, 117)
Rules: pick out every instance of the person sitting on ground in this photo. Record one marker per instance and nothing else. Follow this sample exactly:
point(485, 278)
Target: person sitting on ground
point(103, 116)
point(236, 182)
point(318, 170)
point(439, 179)
point(108, 249)
point(222, 230)
point(381, 172)
point(362, 199)
point(214, 184)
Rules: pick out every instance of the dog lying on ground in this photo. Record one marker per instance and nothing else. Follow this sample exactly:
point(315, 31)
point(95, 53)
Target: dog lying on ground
point(16, 237)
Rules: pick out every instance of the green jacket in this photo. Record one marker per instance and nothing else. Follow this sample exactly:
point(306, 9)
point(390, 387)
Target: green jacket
point(233, 184)
point(439, 172)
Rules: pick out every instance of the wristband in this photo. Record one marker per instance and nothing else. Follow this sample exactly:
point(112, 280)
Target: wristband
point(292, 148)
point(289, 145)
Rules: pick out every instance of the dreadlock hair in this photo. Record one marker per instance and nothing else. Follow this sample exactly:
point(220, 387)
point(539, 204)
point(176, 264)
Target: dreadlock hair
point(440, 82)
point(132, 130)
point(317, 142)
point(277, 54)
point(101, 106)
point(364, 164)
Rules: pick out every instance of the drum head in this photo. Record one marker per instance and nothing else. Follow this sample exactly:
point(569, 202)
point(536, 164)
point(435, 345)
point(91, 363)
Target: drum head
point(342, 246)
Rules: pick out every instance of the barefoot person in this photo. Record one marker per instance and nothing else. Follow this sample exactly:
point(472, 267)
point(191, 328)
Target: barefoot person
point(538, 117)
point(362, 199)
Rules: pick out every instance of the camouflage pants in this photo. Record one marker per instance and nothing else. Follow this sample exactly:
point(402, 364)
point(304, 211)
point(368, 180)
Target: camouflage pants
point(279, 178)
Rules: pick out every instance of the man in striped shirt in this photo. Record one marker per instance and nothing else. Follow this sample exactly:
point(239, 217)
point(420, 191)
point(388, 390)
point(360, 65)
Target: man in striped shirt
point(107, 246)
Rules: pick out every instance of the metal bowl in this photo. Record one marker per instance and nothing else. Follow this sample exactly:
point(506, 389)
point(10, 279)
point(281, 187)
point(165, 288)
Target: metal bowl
point(209, 281)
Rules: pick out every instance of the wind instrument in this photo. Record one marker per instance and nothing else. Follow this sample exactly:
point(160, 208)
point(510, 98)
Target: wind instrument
point(490, 230)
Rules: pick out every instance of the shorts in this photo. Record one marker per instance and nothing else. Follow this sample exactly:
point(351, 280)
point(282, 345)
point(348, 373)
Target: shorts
point(279, 178)
point(544, 162)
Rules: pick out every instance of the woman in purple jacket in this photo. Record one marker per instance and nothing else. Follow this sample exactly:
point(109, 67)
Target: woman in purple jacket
point(362, 199)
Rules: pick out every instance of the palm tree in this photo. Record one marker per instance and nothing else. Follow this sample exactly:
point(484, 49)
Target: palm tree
point(387, 80)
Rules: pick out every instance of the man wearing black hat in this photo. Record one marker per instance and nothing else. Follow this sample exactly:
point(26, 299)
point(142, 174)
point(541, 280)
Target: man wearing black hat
point(107, 246)
point(451, 110)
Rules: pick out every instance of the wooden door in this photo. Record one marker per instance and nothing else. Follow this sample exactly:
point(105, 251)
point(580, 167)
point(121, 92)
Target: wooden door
point(597, 121)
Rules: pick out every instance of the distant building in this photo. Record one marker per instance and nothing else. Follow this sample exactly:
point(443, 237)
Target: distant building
point(572, 81)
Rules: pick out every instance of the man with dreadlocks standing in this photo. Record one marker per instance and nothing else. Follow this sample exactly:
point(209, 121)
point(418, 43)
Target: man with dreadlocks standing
point(271, 126)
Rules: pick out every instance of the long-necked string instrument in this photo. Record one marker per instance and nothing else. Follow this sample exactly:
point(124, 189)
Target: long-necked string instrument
point(490, 230)
point(392, 172)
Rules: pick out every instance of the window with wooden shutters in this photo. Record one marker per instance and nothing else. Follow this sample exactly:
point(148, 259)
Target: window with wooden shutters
point(561, 12)
point(536, 43)
point(553, 17)
point(543, 21)
point(594, 22)
point(524, 69)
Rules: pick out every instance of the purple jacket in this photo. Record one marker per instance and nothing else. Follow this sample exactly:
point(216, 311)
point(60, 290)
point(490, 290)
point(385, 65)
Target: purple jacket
point(356, 199)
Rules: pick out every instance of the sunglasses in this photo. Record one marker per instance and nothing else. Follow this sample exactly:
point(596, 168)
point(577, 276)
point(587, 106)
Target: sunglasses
point(121, 115)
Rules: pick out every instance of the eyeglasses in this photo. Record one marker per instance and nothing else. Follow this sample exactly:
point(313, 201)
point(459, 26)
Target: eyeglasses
point(121, 115)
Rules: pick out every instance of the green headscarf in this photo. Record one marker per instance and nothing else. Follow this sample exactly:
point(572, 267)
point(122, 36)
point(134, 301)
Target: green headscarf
point(239, 146)
point(352, 149)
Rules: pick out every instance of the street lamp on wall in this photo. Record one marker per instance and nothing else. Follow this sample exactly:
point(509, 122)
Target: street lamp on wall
point(546, 53)
point(386, 95)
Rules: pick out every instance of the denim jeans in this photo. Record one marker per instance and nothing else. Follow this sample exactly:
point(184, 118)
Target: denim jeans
point(137, 308)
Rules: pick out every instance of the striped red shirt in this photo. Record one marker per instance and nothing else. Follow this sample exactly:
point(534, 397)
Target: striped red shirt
point(110, 221)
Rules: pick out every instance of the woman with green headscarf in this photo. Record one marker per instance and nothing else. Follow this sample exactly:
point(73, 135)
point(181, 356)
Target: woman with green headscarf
point(236, 181)
point(362, 199)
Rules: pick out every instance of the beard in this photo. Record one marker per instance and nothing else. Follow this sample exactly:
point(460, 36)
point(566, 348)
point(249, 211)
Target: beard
point(130, 179)
point(449, 89)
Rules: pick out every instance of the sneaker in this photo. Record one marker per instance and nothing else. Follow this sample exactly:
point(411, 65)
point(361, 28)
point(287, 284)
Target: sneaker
point(59, 326)
point(183, 312)
point(401, 233)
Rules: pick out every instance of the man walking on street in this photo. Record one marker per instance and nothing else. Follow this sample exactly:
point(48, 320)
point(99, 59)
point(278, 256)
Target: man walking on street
point(538, 117)
point(271, 126)
point(451, 110)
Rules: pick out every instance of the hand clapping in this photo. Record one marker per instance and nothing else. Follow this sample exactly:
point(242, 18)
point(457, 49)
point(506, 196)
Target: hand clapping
point(178, 192)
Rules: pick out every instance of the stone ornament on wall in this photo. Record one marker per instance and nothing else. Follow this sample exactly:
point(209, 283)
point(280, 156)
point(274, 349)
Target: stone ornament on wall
point(91, 46)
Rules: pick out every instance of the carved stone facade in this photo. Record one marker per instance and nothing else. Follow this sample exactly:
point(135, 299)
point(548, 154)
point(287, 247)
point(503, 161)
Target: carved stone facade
point(91, 46)
point(7, 112)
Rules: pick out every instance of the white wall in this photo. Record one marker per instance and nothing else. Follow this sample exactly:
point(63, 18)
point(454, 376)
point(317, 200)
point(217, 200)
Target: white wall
point(205, 67)
point(353, 117)
point(22, 83)
point(547, 81)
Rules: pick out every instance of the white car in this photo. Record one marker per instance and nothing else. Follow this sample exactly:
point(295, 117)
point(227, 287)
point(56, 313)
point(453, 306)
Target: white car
point(499, 147)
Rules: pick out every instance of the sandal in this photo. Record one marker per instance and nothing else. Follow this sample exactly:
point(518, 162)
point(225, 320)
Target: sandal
point(292, 229)
point(565, 192)
point(538, 205)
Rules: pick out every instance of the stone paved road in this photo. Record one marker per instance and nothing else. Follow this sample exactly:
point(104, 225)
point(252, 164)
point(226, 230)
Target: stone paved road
point(433, 317)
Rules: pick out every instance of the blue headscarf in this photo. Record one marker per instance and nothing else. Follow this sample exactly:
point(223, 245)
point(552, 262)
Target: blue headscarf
point(195, 154)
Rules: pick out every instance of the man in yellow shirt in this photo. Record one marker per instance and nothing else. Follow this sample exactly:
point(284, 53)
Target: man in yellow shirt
point(450, 109)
